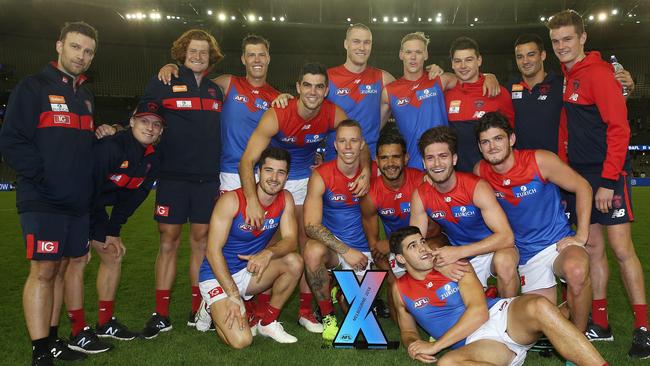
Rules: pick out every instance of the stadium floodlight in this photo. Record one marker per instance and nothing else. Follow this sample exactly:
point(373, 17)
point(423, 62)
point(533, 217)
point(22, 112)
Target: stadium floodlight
point(221, 17)
point(128, 16)
point(251, 17)
point(439, 14)
point(591, 17)
point(471, 25)
point(282, 19)
point(374, 20)
point(542, 19)
point(405, 19)
point(602, 17)
point(260, 18)
point(232, 17)
point(349, 19)
point(385, 19)
point(273, 19)
point(209, 12)
point(395, 19)
point(154, 16)
point(438, 19)
point(476, 19)
point(419, 19)
point(429, 20)
point(614, 11)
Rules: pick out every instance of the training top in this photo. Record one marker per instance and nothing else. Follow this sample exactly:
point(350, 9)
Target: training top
point(243, 239)
point(434, 302)
point(465, 106)
point(302, 137)
point(539, 113)
point(531, 203)
point(417, 106)
point(47, 138)
point(394, 206)
point(359, 96)
point(599, 133)
point(341, 210)
point(243, 108)
point(454, 211)
point(124, 173)
point(191, 144)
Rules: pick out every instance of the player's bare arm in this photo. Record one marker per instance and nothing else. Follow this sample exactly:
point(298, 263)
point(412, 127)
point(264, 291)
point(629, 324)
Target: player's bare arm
point(378, 248)
point(408, 331)
point(386, 78)
point(265, 130)
point(557, 172)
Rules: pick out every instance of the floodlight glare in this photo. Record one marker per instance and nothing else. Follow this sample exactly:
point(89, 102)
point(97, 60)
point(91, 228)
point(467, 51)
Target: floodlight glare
point(374, 20)
point(385, 19)
point(282, 19)
point(209, 12)
point(429, 20)
point(542, 19)
point(438, 19)
point(221, 17)
point(260, 18)
point(602, 17)
point(232, 17)
point(591, 17)
point(395, 19)
point(349, 19)
point(405, 19)
point(251, 17)
point(614, 11)
point(476, 19)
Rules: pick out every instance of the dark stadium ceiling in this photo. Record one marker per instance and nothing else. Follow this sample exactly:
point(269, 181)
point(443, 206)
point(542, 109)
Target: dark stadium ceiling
point(314, 25)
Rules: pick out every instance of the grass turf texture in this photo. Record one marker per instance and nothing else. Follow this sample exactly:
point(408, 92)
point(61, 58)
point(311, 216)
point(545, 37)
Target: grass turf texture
point(185, 346)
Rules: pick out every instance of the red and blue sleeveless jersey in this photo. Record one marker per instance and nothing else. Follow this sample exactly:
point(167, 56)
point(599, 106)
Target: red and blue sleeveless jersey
point(242, 110)
point(465, 106)
point(341, 210)
point(242, 239)
point(455, 211)
point(302, 137)
point(359, 95)
point(394, 206)
point(435, 302)
point(417, 106)
point(531, 203)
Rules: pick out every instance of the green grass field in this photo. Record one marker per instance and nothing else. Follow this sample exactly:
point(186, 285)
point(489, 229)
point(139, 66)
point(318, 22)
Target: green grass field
point(185, 346)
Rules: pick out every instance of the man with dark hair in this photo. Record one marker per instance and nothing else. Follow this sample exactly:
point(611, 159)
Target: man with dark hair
point(527, 185)
point(466, 103)
point(466, 209)
point(240, 261)
point(246, 100)
point(188, 183)
point(332, 221)
point(478, 330)
point(299, 128)
point(47, 138)
point(598, 137)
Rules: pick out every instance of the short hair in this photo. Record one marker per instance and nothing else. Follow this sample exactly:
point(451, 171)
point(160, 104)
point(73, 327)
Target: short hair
point(349, 123)
point(463, 43)
point(314, 68)
point(179, 47)
point(530, 38)
point(390, 138)
point(254, 39)
point(493, 120)
point(275, 153)
point(357, 26)
point(566, 18)
point(420, 36)
point(398, 236)
point(440, 134)
point(81, 28)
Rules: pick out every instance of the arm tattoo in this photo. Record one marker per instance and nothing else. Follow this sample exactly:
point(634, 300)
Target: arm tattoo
point(322, 234)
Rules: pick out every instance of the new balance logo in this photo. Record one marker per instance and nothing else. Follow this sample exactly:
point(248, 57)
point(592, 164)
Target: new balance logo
point(111, 331)
point(618, 213)
point(83, 342)
point(55, 352)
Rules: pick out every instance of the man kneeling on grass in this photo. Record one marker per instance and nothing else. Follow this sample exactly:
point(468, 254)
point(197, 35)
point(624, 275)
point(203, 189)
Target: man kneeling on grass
point(478, 330)
point(239, 264)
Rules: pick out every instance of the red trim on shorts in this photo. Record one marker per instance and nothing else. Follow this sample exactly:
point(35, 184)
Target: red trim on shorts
point(627, 196)
point(29, 238)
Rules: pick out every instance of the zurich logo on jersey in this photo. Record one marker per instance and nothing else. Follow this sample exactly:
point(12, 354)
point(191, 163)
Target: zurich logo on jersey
point(405, 207)
point(342, 91)
point(271, 223)
point(425, 93)
point(524, 190)
point(241, 98)
point(368, 89)
point(261, 104)
point(463, 211)
point(447, 290)
point(312, 139)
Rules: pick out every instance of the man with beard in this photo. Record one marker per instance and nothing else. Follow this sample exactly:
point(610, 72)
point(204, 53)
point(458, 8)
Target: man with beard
point(240, 262)
point(526, 184)
point(299, 128)
point(478, 330)
point(466, 209)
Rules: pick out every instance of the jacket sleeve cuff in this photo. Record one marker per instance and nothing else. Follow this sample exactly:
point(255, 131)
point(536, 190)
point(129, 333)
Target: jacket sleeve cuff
point(608, 183)
point(113, 229)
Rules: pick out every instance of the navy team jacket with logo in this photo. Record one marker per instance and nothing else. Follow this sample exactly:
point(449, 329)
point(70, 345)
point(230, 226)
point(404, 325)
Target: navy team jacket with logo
point(190, 148)
point(47, 137)
point(124, 174)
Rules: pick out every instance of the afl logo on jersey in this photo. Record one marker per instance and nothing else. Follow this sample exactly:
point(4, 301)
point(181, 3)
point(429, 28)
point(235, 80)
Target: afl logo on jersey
point(337, 197)
point(402, 102)
point(245, 227)
point(387, 211)
point(438, 215)
point(342, 91)
point(241, 98)
point(420, 302)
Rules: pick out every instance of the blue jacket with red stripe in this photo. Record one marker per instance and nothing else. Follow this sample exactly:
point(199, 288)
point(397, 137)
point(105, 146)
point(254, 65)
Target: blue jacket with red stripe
point(47, 138)
point(124, 174)
point(190, 147)
point(599, 133)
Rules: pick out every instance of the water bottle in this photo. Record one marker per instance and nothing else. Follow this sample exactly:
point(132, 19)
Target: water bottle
point(618, 67)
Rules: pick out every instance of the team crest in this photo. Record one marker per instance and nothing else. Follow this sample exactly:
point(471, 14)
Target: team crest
point(617, 201)
point(213, 92)
point(479, 103)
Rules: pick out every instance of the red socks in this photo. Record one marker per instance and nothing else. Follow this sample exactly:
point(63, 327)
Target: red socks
point(640, 315)
point(599, 312)
point(77, 321)
point(326, 307)
point(105, 312)
point(262, 304)
point(305, 303)
point(162, 302)
point(269, 315)
point(196, 298)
